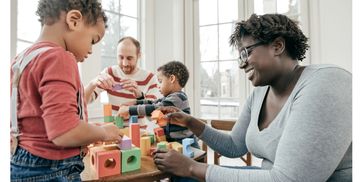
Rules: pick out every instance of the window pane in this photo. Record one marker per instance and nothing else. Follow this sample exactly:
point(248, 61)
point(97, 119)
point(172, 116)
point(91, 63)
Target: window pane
point(111, 37)
point(209, 79)
point(28, 24)
point(209, 109)
point(229, 79)
point(129, 7)
point(208, 12)
point(225, 50)
point(110, 5)
point(21, 46)
point(128, 26)
point(228, 10)
point(108, 61)
point(208, 43)
point(229, 108)
point(293, 9)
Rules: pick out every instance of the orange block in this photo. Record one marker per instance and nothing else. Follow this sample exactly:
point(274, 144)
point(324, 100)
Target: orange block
point(105, 161)
point(176, 146)
point(107, 110)
point(134, 132)
point(158, 132)
point(159, 117)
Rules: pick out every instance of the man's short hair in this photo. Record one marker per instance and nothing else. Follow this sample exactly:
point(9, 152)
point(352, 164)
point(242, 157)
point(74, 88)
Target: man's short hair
point(132, 39)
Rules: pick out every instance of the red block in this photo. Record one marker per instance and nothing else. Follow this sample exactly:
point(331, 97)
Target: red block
point(105, 162)
point(134, 132)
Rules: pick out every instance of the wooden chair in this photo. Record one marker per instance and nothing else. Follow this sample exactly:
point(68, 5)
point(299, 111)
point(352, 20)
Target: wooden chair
point(225, 125)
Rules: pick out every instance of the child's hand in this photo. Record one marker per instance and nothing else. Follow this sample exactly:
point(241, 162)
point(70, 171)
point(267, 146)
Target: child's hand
point(123, 112)
point(112, 133)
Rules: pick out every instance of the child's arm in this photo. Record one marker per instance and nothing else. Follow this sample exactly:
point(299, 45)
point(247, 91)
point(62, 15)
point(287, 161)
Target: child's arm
point(84, 134)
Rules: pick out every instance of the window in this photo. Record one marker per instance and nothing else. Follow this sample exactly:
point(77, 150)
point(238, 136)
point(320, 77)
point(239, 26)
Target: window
point(123, 20)
point(219, 72)
point(222, 84)
point(28, 26)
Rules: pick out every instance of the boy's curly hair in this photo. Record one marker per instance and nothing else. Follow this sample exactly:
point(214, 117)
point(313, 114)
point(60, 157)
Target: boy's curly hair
point(266, 28)
point(176, 68)
point(50, 10)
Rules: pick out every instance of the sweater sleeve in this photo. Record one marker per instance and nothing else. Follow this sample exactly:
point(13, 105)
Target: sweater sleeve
point(316, 137)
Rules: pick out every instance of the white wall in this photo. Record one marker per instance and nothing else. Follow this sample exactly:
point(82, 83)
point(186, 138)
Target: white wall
point(331, 32)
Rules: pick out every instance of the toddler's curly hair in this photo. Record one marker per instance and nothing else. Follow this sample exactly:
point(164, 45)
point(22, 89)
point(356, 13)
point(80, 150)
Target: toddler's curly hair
point(176, 68)
point(50, 10)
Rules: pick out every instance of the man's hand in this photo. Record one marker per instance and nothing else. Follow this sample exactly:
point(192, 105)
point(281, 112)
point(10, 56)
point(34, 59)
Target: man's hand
point(132, 86)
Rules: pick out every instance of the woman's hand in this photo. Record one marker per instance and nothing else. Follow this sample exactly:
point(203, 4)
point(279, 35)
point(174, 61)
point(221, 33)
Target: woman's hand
point(175, 115)
point(173, 162)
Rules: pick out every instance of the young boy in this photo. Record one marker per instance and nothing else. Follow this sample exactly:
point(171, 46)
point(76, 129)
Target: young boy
point(50, 116)
point(172, 77)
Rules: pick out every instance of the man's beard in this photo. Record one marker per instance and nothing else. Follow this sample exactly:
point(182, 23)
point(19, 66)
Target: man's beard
point(128, 69)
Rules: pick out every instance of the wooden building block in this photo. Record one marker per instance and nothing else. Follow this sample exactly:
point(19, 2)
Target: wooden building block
point(108, 119)
point(145, 145)
point(105, 161)
point(107, 110)
point(187, 147)
point(119, 122)
point(159, 131)
point(133, 119)
point(161, 138)
point(130, 160)
point(159, 117)
point(125, 143)
point(176, 146)
point(125, 131)
point(134, 132)
point(162, 146)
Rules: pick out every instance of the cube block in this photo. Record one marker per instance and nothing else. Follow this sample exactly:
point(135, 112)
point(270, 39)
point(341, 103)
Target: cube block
point(130, 160)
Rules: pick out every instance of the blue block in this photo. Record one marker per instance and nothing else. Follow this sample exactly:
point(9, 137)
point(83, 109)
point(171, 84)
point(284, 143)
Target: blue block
point(187, 151)
point(133, 119)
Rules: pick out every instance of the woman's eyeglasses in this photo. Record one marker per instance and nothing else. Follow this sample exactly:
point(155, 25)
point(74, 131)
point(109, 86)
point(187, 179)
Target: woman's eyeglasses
point(244, 54)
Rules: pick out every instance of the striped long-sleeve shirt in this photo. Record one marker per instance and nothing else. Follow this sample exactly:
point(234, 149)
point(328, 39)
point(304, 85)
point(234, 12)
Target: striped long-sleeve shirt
point(178, 99)
point(147, 83)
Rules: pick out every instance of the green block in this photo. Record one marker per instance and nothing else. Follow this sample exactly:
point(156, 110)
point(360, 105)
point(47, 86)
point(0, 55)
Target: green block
point(151, 138)
point(119, 122)
point(130, 159)
point(162, 145)
point(108, 119)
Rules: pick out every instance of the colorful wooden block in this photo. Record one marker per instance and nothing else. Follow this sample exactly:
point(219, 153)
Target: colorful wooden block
point(130, 160)
point(159, 117)
point(119, 122)
point(162, 146)
point(159, 131)
point(107, 110)
point(152, 140)
point(108, 119)
point(133, 119)
point(105, 161)
point(161, 138)
point(125, 131)
point(176, 146)
point(145, 145)
point(125, 143)
point(187, 147)
point(134, 132)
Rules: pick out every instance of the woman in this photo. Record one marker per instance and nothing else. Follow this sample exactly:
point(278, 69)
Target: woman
point(298, 118)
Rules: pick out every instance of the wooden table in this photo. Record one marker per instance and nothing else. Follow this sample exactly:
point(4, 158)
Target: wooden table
point(148, 171)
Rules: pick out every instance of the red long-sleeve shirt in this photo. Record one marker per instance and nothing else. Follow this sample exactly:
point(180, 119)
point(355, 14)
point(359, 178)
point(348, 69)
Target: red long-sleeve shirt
point(49, 102)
